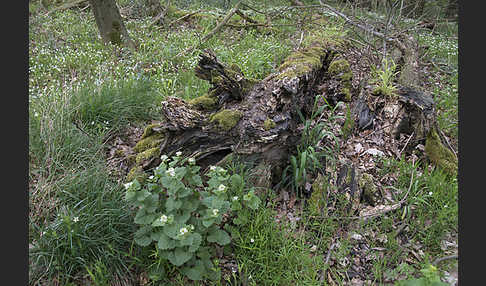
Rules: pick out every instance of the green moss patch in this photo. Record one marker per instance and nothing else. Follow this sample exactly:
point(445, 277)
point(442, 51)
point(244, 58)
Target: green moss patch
point(147, 154)
point(302, 62)
point(340, 66)
point(136, 173)
point(342, 69)
point(226, 119)
point(369, 188)
point(439, 154)
point(148, 130)
point(269, 124)
point(149, 142)
point(348, 123)
point(204, 102)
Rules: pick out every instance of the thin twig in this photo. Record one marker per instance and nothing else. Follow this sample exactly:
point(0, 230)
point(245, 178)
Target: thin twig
point(328, 256)
point(381, 128)
point(182, 18)
point(438, 260)
point(406, 143)
point(67, 6)
point(253, 9)
point(214, 31)
point(220, 25)
point(242, 15)
point(447, 142)
point(158, 17)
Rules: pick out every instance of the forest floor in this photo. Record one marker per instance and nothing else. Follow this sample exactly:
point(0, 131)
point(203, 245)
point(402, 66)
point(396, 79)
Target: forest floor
point(89, 101)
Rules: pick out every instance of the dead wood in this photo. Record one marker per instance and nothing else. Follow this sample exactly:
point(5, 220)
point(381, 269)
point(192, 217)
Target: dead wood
point(259, 121)
point(221, 24)
point(67, 6)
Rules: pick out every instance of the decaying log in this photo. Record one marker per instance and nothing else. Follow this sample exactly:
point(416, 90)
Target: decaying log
point(260, 121)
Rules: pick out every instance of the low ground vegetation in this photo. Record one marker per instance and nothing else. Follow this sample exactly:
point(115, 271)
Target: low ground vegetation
point(85, 98)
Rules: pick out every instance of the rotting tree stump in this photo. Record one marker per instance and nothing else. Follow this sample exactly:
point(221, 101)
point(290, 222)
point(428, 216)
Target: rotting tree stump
point(259, 120)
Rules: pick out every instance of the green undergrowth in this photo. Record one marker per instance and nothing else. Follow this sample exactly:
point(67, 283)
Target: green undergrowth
point(77, 221)
point(83, 93)
point(442, 51)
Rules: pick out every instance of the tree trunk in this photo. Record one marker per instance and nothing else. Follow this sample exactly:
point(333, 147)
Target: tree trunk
point(110, 23)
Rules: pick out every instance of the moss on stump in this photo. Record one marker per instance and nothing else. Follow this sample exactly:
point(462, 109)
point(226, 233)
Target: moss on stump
point(439, 154)
point(226, 119)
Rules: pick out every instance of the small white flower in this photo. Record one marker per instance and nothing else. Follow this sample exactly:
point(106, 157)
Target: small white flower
point(76, 219)
point(179, 153)
point(36, 114)
point(191, 161)
point(212, 168)
point(191, 227)
point(164, 157)
point(221, 170)
point(128, 185)
point(235, 198)
point(44, 232)
point(171, 172)
point(92, 122)
point(430, 193)
point(215, 212)
point(183, 231)
point(252, 240)
point(163, 218)
point(445, 206)
point(151, 177)
point(221, 188)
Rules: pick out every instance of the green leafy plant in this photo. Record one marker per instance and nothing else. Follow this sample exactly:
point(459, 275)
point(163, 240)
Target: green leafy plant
point(430, 278)
point(313, 146)
point(383, 77)
point(183, 216)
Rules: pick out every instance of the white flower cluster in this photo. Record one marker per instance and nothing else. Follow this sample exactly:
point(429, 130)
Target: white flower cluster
point(128, 185)
point(220, 190)
point(171, 172)
point(183, 231)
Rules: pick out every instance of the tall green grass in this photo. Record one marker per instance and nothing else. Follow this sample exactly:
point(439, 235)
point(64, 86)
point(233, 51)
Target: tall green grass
point(70, 179)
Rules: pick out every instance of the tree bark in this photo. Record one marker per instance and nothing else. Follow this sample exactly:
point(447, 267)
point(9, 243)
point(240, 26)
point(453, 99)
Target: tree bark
point(110, 23)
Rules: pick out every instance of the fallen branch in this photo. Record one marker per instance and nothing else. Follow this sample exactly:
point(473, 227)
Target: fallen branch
point(215, 30)
point(183, 18)
point(242, 15)
point(439, 260)
point(156, 19)
point(221, 24)
point(67, 6)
